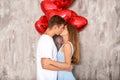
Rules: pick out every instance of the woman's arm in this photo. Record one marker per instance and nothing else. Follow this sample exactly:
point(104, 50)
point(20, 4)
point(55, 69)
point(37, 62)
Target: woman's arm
point(67, 50)
point(51, 67)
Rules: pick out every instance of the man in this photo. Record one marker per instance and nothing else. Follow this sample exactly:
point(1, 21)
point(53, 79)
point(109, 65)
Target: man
point(46, 48)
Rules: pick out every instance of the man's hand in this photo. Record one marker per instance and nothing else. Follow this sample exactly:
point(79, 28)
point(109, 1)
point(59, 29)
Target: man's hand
point(70, 68)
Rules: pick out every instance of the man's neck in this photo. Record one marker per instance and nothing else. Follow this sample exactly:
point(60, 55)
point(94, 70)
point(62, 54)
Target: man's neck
point(49, 32)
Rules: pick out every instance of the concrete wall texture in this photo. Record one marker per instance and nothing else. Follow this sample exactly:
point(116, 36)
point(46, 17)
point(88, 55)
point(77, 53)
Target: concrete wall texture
point(100, 41)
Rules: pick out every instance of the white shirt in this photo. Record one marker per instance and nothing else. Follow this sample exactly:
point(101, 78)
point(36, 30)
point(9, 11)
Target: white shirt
point(46, 48)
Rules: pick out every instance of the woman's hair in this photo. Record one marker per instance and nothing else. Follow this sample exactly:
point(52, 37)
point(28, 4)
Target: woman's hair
point(74, 39)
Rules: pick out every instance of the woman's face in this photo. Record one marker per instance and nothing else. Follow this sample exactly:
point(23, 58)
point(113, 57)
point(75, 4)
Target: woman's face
point(65, 32)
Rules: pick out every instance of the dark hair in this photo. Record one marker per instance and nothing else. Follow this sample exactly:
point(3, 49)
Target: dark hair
point(56, 20)
point(58, 41)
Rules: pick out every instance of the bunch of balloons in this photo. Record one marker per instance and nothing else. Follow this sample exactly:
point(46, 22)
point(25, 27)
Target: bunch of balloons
point(59, 7)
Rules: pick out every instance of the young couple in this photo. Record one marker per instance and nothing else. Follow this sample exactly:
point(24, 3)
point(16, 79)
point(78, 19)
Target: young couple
point(53, 65)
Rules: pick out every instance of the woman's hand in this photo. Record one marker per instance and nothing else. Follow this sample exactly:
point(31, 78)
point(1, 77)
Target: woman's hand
point(45, 66)
point(45, 61)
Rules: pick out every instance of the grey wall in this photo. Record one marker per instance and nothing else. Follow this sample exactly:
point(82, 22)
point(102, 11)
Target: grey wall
point(100, 41)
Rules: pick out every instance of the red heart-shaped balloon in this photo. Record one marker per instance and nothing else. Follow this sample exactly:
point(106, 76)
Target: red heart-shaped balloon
point(51, 13)
point(48, 5)
point(63, 3)
point(50, 0)
point(66, 14)
point(73, 14)
point(41, 25)
point(79, 22)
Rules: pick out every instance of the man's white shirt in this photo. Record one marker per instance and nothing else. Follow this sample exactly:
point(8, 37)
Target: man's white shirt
point(46, 48)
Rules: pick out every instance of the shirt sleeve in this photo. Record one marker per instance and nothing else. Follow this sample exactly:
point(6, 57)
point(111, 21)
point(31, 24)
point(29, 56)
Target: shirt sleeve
point(45, 49)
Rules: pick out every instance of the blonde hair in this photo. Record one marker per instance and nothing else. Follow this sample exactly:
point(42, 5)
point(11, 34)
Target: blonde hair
point(74, 39)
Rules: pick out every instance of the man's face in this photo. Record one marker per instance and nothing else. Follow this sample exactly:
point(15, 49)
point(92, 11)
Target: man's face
point(60, 29)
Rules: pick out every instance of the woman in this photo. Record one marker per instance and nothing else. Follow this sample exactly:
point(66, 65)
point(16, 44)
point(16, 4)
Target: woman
point(68, 53)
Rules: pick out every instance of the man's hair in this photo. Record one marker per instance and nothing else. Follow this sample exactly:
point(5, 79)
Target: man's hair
point(56, 20)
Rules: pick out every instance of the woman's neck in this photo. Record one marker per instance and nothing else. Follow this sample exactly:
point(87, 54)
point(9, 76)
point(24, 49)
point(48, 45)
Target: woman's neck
point(65, 39)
